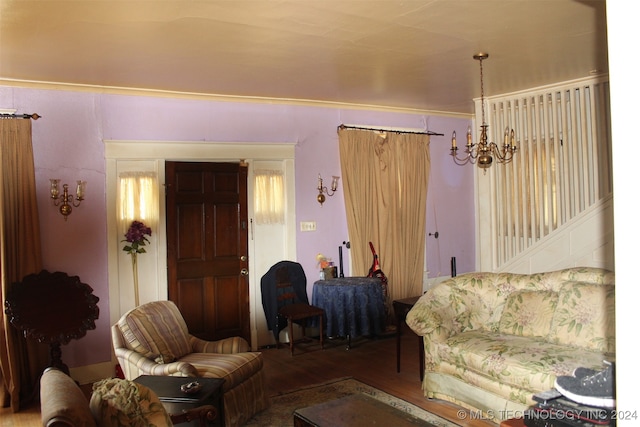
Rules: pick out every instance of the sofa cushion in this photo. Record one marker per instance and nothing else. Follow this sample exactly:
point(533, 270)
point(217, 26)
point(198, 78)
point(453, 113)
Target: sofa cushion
point(527, 363)
point(528, 313)
point(156, 330)
point(125, 403)
point(585, 317)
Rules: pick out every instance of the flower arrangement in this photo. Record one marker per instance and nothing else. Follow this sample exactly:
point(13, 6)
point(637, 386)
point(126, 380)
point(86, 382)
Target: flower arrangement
point(327, 269)
point(136, 241)
point(135, 237)
point(322, 260)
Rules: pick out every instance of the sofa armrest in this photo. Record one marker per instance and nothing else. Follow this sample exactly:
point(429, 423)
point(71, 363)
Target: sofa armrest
point(437, 314)
point(436, 317)
point(224, 346)
point(432, 323)
point(62, 402)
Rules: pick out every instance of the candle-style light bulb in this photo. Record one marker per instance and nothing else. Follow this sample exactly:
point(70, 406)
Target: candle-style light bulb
point(55, 192)
point(334, 183)
point(453, 141)
point(469, 136)
point(80, 190)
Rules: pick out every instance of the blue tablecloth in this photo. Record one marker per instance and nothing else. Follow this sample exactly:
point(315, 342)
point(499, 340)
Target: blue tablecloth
point(354, 306)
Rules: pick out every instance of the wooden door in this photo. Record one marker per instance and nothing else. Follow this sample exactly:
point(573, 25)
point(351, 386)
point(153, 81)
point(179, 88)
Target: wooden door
point(207, 247)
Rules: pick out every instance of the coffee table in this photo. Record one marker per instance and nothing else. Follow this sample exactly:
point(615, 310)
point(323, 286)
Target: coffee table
point(175, 401)
point(357, 410)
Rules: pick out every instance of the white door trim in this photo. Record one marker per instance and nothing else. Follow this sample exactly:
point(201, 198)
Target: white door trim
point(151, 155)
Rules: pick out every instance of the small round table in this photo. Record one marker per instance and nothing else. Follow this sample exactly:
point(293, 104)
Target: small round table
point(354, 306)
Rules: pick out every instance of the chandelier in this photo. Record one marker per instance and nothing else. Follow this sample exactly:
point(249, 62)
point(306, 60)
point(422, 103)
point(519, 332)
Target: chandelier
point(483, 152)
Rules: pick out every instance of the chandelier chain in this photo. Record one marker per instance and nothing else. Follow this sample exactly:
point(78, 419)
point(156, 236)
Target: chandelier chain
point(484, 151)
point(482, 90)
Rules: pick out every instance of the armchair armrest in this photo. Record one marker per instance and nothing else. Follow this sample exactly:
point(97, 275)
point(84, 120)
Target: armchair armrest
point(223, 346)
point(204, 414)
point(129, 358)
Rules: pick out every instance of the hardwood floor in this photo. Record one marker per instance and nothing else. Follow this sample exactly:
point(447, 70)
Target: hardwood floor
point(372, 361)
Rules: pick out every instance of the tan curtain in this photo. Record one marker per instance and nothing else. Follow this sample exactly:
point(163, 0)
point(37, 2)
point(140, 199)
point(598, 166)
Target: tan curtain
point(21, 361)
point(385, 178)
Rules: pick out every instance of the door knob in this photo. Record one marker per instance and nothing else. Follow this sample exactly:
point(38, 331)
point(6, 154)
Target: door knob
point(244, 272)
point(243, 258)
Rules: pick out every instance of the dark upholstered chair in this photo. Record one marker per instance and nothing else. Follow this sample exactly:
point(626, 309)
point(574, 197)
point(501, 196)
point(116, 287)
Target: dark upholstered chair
point(285, 300)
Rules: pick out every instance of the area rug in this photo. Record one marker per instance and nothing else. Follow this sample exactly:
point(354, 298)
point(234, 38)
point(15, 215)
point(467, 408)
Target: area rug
point(280, 412)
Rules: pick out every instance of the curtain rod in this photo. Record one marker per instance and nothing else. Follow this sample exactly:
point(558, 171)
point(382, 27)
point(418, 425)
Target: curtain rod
point(34, 116)
point(390, 130)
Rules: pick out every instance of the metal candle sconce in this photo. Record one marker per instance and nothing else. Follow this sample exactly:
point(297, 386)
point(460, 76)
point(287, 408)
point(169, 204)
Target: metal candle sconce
point(66, 200)
point(323, 190)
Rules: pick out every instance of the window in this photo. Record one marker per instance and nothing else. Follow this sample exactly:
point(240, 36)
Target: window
point(138, 199)
point(269, 197)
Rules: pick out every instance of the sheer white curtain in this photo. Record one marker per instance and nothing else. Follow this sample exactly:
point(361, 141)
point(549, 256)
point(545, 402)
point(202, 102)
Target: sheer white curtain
point(268, 199)
point(385, 178)
point(138, 199)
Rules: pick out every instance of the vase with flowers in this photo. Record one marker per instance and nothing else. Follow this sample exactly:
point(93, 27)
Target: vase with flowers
point(136, 239)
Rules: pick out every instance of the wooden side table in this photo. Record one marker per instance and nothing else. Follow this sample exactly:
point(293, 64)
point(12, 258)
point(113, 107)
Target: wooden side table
point(174, 400)
point(401, 307)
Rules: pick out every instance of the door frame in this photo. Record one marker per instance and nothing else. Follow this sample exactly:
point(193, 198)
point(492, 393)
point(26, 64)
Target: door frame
point(128, 155)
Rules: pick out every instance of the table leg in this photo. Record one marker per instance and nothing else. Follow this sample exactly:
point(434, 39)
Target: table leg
point(401, 309)
point(321, 332)
point(399, 317)
point(290, 336)
point(421, 357)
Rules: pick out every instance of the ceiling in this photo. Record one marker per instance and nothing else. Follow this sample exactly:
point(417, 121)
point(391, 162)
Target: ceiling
point(404, 54)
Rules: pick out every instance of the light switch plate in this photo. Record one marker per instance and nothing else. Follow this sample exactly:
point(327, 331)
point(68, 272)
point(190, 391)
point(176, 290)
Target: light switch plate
point(307, 226)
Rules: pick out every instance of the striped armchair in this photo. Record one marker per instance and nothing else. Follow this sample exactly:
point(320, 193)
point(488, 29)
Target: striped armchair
point(153, 339)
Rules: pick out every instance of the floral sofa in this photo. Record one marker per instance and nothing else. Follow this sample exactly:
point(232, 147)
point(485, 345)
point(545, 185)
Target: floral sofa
point(492, 340)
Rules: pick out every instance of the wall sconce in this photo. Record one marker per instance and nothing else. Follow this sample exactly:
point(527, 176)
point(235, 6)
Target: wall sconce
point(67, 200)
point(323, 190)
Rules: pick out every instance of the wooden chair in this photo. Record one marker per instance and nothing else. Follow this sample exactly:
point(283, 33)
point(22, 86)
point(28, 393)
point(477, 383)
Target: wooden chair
point(52, 308)
point(288, 287)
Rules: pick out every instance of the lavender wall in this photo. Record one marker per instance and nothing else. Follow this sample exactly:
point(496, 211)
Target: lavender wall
point(68, 144)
